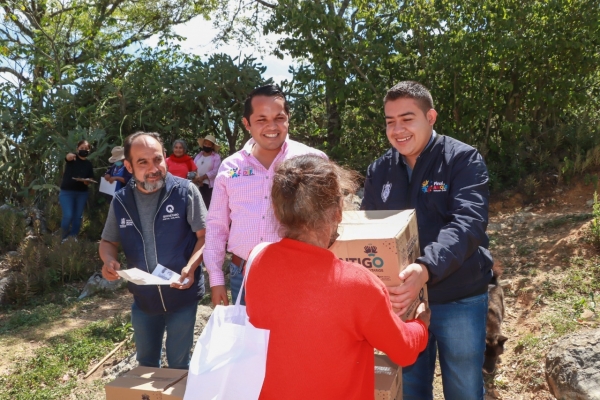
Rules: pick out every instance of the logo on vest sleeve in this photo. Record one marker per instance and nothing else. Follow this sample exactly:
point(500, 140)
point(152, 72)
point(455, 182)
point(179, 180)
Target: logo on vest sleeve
point(433, 187)
point(385, 192)
point(171, 213)
point(125, 223)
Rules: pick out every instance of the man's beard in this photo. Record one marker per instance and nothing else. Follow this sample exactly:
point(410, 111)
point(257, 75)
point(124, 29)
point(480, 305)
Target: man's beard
point(152, 186)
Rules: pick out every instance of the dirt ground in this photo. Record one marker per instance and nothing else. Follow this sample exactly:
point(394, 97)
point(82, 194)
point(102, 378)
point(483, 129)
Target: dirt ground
point(533, 243)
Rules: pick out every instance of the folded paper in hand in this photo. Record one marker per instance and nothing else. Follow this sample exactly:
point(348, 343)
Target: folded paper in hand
point(160, 276)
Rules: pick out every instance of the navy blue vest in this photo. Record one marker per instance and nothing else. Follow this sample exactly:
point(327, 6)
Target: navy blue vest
point(174, 243)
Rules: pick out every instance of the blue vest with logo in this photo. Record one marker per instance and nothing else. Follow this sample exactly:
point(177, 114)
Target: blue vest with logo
point(174, 244)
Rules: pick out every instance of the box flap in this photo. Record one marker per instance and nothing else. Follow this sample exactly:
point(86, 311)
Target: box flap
point(372, 224)
point(146, 379)
point(157, 373)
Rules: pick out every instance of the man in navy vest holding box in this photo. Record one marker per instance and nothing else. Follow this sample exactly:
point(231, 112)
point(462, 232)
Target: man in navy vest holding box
point(158, 219)
point(446, 181)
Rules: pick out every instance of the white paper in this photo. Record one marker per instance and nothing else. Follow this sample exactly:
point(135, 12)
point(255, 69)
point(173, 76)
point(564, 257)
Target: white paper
point(161, 276)
point(107, 187)
point(168, 275)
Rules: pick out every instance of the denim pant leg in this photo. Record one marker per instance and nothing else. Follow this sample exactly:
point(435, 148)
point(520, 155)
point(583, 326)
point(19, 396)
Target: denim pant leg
point(235, 279)
point(460, 333)
point(148, 331)
point(457, 329)
point(66, 199)
point(80, 201)
point(417, 379)
point(180, 336)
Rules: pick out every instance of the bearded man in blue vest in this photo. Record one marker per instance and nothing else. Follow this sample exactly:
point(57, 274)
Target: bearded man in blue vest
point(158, 219)
point(446, 182)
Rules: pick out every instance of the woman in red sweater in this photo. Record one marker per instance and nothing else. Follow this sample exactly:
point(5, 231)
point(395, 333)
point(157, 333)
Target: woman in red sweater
point(179, 163)
point(325, 315)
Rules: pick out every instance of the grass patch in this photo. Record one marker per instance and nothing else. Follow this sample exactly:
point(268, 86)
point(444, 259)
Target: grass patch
point(524, 250)
point(52, 372)
point(529, 341)
point(562, 322)
point(22, 319)
point(583, 276)
point(563, 220)
point(45, 309)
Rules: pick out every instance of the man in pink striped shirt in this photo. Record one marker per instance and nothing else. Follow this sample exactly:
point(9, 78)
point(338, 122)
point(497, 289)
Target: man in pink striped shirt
point(241, 215)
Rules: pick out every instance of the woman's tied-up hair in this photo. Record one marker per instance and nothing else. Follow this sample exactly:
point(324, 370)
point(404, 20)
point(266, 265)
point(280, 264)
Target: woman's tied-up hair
point(308, 193)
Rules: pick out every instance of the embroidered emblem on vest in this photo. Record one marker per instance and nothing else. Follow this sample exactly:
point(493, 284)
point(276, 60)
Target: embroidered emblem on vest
point(171, 213)
point(248, 171)
point(385, 192)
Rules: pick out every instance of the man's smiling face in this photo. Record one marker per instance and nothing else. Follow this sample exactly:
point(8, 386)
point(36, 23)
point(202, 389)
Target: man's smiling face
point(408, 127)
point(269, 122)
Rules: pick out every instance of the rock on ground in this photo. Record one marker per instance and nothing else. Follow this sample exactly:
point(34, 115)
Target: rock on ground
point(573, 367)
point(96, 283)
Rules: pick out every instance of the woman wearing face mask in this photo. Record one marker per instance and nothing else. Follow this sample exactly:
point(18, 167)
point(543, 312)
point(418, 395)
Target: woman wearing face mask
point(179, 163)
point(208, 162)
point(74, 193)
point(325, 315)
point(117, 171)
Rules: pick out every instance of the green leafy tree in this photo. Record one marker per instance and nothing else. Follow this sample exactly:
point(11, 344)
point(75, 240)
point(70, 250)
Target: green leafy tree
point(46, 47)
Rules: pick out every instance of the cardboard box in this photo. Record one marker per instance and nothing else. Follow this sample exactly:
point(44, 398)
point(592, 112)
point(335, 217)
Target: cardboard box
point(176, 391)
point(385, 242)
point(147, 384)
point(388, 379)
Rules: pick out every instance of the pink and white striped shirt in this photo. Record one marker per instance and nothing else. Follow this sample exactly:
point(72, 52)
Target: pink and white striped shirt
point(240, 213)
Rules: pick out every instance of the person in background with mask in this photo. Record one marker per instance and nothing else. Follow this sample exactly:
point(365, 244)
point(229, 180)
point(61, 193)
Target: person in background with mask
point(208, 162)
point(179, 163)
point(74, 193)
point(117, 171)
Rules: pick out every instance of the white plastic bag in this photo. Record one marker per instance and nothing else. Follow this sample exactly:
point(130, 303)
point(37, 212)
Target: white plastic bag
point(230, 357)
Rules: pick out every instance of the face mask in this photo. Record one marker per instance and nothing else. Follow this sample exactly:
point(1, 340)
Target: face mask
point(83, 153)
point(207, 149)
point(118, 163)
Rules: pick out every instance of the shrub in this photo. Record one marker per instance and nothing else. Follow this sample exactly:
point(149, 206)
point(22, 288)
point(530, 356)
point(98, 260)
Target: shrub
point(594, 233)
point(45, 263)
point(12, 229)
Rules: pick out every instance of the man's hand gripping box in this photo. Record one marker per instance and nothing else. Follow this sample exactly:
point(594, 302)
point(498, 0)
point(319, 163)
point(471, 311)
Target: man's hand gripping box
point(385, 242)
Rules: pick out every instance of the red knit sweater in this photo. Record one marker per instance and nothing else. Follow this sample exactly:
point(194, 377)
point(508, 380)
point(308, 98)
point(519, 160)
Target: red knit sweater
point(325, 316)
point(180, 166)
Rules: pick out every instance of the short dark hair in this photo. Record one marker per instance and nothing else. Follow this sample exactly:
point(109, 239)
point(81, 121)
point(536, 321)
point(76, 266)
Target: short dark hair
point(307, 193)
point(269, 91)
point(83, 141)
point(129, 141)
point(411, 90)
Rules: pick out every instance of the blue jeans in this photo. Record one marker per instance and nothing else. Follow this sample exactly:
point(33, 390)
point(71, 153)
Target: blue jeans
point(148, 331)
point(72, 203)
point(235, 279)
point(457, 330)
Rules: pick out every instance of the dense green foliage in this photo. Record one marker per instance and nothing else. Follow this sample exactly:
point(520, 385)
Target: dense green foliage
point(517, 80)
